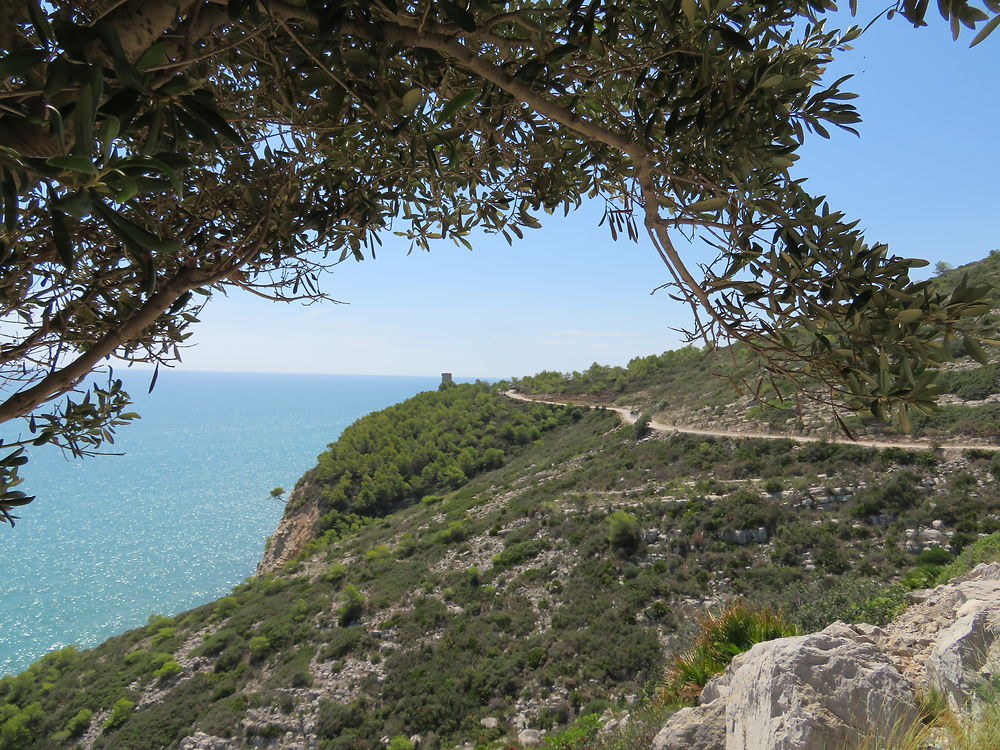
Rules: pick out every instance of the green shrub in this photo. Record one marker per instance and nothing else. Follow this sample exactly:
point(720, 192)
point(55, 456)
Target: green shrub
point(225, 607)
point(519, 552)
point(378, 552)
point(623, 531)
point(982, 550)
point(354, 604)
point(454, 532)
point(335, 573)
point(580, 731)
point(813, 606)
point(168, 669)
point(597, 706)
point(535, 657)
point(935, 556)
point(400, 742)
point(162, 635)
point(333, 718)
point(641, 426)
point(920, 577)
point(79, 723)
point(720, 638)
point(119, 713)
point(259, 647)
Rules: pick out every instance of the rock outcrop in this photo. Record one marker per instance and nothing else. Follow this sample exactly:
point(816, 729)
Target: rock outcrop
point(811, 691)
point(948, 640)
point(846, 682)
point(820, 690)
point(695, 728)
point(295, 530)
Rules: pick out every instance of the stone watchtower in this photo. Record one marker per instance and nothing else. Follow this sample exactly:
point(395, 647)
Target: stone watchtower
point(446, 378)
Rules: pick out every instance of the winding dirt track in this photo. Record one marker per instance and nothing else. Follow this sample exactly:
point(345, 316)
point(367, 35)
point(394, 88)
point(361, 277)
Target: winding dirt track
point(628, 417)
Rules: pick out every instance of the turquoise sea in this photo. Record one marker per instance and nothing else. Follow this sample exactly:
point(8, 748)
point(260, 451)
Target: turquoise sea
point(181, 517)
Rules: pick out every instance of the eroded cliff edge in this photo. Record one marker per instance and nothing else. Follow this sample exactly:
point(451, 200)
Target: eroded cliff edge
point(295, 530)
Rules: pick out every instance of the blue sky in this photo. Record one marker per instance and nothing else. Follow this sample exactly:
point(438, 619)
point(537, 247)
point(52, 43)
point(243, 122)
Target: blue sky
point(922, 177)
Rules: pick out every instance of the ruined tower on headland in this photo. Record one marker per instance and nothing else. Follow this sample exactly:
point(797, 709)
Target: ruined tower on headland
point(446, 378)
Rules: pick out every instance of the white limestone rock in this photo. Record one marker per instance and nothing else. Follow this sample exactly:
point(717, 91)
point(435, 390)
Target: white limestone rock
point(695, 728)
point(529, 737)
point(966, 653)
point(819, 690)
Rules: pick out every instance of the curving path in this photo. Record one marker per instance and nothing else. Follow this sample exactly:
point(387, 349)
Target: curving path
point(628, 417)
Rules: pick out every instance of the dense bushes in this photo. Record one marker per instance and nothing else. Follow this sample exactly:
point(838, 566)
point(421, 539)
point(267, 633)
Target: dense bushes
point(624, 532)
point(561, 572)
point(984, 550)
point(430, 443)
point(818, 603)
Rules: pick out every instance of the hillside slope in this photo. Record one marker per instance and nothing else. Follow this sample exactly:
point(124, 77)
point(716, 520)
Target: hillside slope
point(721, 388)
point(546, 564)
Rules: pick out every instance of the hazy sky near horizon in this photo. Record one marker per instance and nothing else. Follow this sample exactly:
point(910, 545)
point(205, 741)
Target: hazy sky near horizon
point(922, 177)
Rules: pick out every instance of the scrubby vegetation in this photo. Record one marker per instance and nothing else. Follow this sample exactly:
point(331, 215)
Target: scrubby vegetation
point(720, 637)
point(723, 388)
point(430, 443)
point(552, 582)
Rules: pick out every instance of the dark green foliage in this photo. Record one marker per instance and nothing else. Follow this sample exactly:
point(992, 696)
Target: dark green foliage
point(516, 553)
point(816, 604)
point(158, 724)
point(624, 532)
point(351, 609)
point(345, 641)
point(119, 713)
point(974, 383)
point(79, 723)
point(672, 372)
point(459, 637)
point(981, 420)
point(641, 426)
point(935, 556)
point(431, 442)
point(982, 550)
point(334, 718)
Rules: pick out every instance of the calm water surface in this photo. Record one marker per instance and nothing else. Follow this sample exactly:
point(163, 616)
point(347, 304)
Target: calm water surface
point(182, 517)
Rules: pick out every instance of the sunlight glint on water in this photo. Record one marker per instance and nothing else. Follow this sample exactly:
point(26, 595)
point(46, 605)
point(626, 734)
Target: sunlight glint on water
point(182, 517)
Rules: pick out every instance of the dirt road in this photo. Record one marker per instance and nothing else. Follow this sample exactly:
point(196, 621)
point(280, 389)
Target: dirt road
point(629, 416)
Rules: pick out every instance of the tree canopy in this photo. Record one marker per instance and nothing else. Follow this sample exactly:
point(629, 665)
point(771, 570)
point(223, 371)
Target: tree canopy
point(155, 152)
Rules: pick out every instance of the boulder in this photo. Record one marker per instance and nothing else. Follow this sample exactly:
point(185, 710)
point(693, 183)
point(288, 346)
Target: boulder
point(822, 690)
point(695, 728)
point(746, 536)
point(529, 737)
point(490, 722)
point(825, 689)
point(966, 653)
point(935, 631)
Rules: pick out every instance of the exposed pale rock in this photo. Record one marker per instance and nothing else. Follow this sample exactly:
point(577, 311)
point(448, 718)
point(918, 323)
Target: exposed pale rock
point(695, 728)
point(799, 693)
point(819, 690)
point(746, 536)
point(202, 741)
point(956, 663)
point(490, 722)
point(529, 737)
point(717, 687)
point(912, 637)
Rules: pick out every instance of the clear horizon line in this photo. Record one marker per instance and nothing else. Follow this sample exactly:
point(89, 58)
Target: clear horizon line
point(318, 374)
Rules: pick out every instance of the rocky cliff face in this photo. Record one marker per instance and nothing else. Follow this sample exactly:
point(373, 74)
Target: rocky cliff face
point(294, 531)
point(848, 682)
